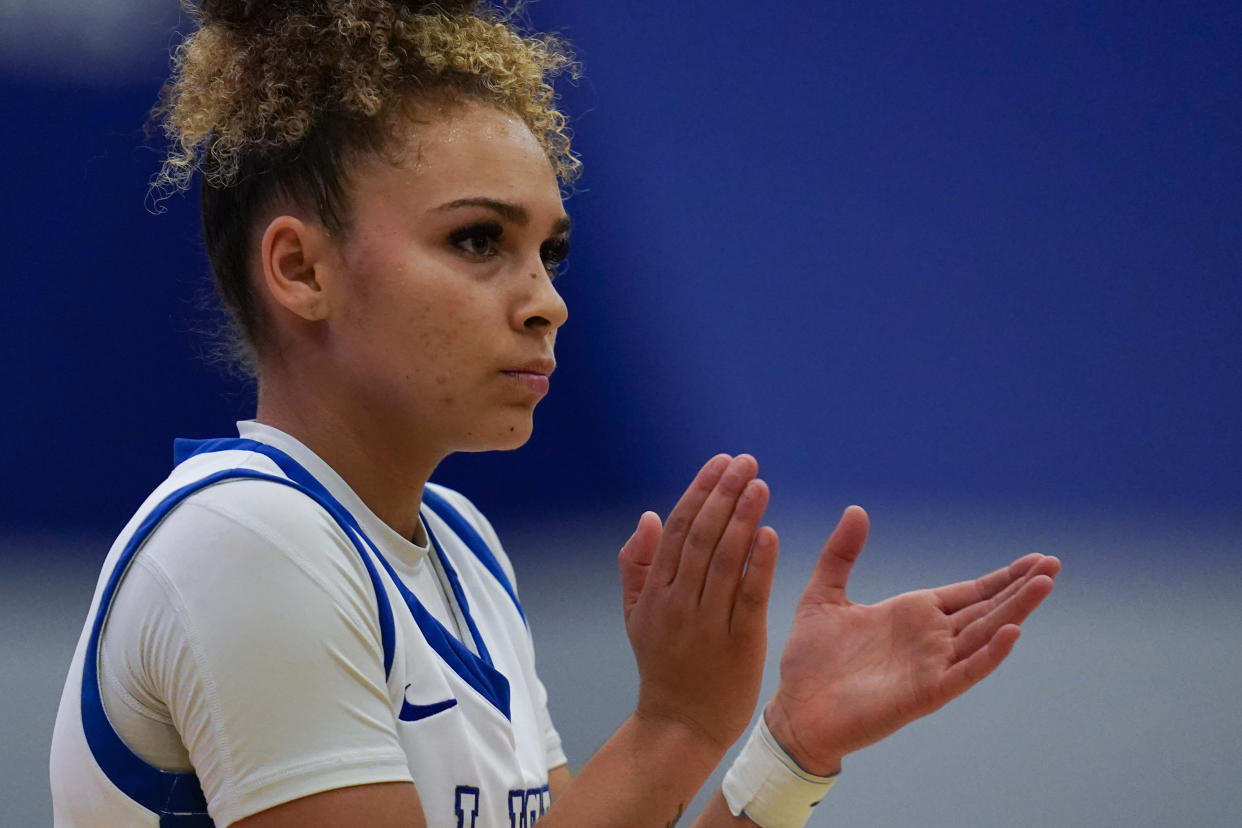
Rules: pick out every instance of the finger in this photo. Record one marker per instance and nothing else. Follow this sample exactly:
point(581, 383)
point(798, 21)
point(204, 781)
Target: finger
point(967, 673)
point(1011, 612)
point(844, 545)
point(956, 596)
point(668, 556)
point(968, 615)
point(725, 570)
point(711, 522)
point(750, 607)
point(635, 558)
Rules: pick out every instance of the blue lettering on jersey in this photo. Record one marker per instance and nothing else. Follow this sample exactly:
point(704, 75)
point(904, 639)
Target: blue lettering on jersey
point(517, 809)
point(527, 806)
point(466, 806)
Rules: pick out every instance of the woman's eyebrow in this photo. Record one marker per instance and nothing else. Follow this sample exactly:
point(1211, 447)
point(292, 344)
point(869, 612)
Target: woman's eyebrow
point(509, 211)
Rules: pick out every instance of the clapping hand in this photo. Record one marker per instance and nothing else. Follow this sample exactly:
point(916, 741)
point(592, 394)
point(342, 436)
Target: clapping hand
point(851, 674)
point(695, 595)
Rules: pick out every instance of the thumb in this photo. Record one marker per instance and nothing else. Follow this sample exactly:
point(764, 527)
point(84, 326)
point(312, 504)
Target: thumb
point(832, 571)
point(635, 558)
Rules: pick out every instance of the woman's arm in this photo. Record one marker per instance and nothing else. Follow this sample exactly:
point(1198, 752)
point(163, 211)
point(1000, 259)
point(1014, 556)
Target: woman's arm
point(384, 805)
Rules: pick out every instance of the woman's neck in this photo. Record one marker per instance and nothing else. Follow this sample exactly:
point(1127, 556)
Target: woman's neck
point(381, 462)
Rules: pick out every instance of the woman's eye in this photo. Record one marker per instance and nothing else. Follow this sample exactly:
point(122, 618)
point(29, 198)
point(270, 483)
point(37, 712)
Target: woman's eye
point(554, 252)
point(477, 240)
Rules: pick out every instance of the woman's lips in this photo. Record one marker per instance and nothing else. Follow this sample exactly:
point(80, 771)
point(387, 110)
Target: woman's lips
point(533, 381)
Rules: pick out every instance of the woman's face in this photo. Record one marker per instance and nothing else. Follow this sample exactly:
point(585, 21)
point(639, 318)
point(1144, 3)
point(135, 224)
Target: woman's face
point(446, 319)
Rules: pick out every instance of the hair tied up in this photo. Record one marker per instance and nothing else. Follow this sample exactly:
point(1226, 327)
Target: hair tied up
point(257, 12)
point(249, 12)
point(446, 6)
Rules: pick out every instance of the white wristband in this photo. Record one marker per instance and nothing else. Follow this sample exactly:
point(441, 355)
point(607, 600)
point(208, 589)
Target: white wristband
point(769, 787)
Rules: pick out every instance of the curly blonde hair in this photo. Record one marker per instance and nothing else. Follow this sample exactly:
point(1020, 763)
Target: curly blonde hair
point(280, 97)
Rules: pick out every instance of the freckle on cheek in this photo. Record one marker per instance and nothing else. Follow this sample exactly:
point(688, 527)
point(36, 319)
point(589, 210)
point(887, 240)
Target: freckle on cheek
point(441, 379)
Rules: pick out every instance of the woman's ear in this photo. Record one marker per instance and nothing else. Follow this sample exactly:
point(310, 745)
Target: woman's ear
point(296, 266)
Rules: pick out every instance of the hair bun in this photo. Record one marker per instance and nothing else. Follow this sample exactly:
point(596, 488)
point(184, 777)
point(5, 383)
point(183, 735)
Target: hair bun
point(249, 12)
point(252, 12)
point(446, 6)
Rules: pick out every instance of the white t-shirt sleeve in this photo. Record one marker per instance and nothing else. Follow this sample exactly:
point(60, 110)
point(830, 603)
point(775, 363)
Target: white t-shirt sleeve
point(251, 621)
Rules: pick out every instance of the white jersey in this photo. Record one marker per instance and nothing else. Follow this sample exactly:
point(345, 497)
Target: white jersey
point(367, 684)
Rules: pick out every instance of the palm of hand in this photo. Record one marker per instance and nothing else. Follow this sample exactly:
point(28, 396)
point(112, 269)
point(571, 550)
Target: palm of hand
point(852, 674)
point(883, 663)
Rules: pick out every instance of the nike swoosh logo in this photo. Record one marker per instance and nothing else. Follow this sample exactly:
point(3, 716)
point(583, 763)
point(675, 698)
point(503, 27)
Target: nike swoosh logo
point(414, 712)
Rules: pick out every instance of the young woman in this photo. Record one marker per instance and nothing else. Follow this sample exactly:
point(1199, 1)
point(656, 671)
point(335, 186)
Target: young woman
point(297, 628)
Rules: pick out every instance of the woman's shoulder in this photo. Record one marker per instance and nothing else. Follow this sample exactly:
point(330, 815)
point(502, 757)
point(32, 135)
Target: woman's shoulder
point(237, 523)
point(470, 513)
point(435, 495)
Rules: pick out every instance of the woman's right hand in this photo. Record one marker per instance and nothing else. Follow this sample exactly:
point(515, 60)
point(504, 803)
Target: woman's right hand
point(695, 596)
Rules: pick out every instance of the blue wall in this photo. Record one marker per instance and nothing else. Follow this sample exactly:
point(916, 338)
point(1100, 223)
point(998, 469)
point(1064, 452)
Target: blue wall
point(982, 254)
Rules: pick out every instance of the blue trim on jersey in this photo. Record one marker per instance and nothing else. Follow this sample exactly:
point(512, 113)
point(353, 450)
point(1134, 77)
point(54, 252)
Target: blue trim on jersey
point(178, 797)
point(471, 537)
point(184, 449)
point(455, 585)
point(476, 670)
point(171, 795)
point(179, 820)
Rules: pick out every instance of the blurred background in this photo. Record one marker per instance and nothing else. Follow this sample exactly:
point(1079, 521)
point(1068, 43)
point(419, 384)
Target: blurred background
point(977, 267)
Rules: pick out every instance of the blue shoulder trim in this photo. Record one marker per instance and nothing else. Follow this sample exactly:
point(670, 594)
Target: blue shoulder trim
point(476, 670)
point(470, 536)
point(303, 481)
point(176, 797)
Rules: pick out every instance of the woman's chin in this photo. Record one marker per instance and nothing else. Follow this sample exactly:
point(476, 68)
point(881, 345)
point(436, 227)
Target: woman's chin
point(505, 437)
point(515, 440)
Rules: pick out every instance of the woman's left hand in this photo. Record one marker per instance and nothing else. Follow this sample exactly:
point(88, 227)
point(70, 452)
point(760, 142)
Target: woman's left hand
point(851, 674)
